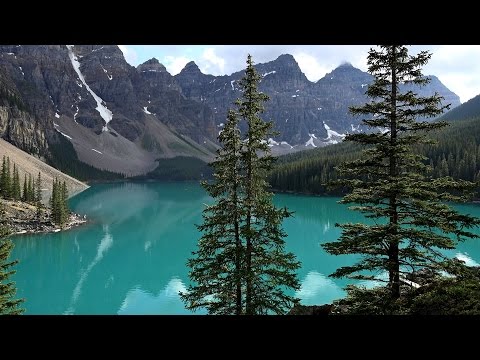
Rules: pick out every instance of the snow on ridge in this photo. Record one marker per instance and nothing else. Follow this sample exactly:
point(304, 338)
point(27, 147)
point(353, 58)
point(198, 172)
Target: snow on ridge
point(272, 142)
point(21, 70)
point(75, 115)
point(104, 112)
point(268, 73)
point(68, 137)
point(145, 110)
point(363, 85)
point(110, 77)
point(312, 135)
point(310, 141)
point(55, 126)
point(331, 133)
point(357, 128)
point(97, 151)
point(294, 96)
point(231, 83)
point(285, 143)
point(56, 115)
point(221, 125)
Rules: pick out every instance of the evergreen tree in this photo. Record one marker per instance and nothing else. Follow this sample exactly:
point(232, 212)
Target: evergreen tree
point(38, 195)
point(64, 209)
point(3, 178)
point(31, 191)
point(217, 266)
point(25, 188)
point(52, 202)
point(392, 184)
point(241, 266)
point(16, 191)
point(268, 267)
point(8, 305)
point(7, 180)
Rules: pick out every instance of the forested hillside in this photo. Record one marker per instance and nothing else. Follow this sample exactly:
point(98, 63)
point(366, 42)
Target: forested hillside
point(457, 154)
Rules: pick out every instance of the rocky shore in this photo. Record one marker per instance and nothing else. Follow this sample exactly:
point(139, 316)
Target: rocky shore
point(21, 218)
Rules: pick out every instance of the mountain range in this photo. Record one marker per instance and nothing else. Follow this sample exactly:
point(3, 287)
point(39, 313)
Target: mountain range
point(84, 105)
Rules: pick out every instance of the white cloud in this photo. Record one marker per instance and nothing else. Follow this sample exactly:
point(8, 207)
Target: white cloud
point(129, 54)
point(175, 64)
point(310, 66)
point(457, 67)
point(211, 63)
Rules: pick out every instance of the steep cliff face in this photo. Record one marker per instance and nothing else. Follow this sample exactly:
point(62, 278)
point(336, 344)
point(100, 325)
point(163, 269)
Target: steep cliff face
point(17, 124)
point(121, 118)
point(117, 117)
point(306, 114)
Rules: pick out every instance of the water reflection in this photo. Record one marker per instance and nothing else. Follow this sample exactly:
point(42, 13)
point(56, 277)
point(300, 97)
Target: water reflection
point(467, 259)
point(167, 301)
point(317, 289)
point(105, 244)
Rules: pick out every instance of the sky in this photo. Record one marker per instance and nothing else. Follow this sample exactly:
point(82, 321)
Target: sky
point(457, 66)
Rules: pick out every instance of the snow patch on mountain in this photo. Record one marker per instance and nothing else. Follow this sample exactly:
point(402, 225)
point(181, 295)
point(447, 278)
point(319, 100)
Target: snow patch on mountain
point(310, 141)
point(104, 112)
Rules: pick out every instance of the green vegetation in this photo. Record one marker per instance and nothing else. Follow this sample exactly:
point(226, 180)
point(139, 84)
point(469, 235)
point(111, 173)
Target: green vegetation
point(440, 295)
point(468, 110)
point(59, 203)
point(8, 305)
point(456, 154)
point(241, 266)
point(179, 168)
point(391, 183)
point(10, 185)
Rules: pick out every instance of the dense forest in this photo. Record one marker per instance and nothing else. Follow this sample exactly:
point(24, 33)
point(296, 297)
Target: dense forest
point(457, 154)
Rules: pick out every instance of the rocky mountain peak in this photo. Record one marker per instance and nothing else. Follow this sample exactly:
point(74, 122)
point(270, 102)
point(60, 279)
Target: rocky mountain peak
point(152, 65)
point(287, 60)
point(191, 68)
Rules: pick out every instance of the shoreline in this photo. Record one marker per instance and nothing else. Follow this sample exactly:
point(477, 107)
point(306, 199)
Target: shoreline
point(21, 218)
point(47, 227)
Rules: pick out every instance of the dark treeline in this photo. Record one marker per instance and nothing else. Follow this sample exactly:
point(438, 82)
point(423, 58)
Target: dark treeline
point(457, 154)
point(10, 186)
point(58, 203)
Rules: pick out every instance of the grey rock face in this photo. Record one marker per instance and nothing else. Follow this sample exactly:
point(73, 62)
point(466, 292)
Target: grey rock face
point(146, 103)
point(301, 110)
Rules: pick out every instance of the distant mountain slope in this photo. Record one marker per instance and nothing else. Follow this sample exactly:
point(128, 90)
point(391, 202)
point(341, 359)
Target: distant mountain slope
point(468, 110)
point(306, 114)
point(457, 154)
point(123, 119)
point(118, 117)
point(28, 164)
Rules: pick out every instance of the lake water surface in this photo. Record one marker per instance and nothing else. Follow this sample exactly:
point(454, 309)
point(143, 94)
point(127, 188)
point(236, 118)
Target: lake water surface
point(131, 258)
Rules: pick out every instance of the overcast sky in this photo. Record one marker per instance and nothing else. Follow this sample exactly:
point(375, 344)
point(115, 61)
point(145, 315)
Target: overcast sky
point(457, 66)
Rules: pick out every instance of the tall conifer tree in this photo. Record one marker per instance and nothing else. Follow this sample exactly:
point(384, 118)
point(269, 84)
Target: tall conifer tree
point(8, 305)
point(392, 184)
point(241, 266)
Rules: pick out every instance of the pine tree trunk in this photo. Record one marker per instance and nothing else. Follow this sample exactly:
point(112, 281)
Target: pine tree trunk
point(238, 260)
point(248, 260)
point(394, 271)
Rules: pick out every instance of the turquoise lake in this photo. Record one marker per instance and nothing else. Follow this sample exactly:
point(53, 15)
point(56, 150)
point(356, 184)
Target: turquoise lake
point(131, 258)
